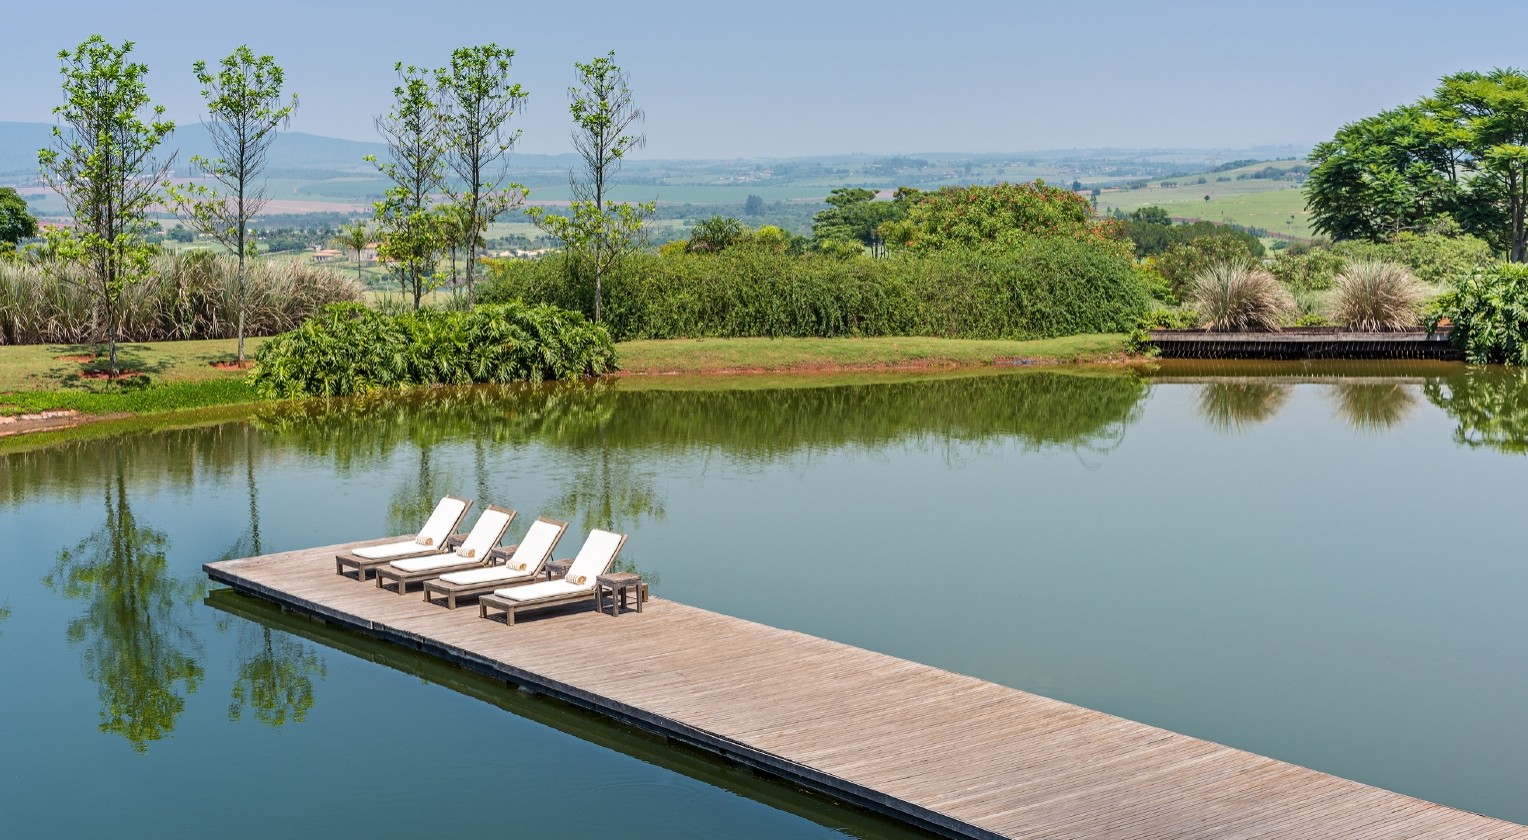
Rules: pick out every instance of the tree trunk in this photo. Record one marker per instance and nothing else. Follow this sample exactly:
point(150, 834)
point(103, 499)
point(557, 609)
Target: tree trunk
point(242, 296)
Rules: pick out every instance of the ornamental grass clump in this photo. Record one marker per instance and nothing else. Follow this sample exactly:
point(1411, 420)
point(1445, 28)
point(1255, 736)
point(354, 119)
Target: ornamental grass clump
point(1238, 296)
point(1377, 297)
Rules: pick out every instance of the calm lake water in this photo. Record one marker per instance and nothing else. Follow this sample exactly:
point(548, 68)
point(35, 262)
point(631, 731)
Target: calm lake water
point(1320, 564)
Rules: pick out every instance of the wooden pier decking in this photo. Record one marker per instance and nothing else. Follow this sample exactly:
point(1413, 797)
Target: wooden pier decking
point(952, 754)
point(1305, 343)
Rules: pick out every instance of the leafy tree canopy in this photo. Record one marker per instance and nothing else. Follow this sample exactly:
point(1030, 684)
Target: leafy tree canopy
point(16, 222)
point(1459, 156)
point(1002, 214)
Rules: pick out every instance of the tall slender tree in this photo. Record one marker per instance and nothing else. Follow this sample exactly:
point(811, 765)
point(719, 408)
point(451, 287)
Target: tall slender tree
point(410, 230)
point(104, 163)
point(354, 238)
point(605, 115)
point(245, 108)
point(477, 102)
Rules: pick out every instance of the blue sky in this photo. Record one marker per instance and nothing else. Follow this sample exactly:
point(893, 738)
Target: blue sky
point(787, 78)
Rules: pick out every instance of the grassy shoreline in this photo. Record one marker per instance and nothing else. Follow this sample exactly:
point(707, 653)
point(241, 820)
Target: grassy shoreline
point(182, 385)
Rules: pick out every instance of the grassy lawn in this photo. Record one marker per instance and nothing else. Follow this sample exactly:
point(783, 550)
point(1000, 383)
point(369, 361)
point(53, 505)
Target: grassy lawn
point(39, 366)
point(179, 375)
point(718, 355)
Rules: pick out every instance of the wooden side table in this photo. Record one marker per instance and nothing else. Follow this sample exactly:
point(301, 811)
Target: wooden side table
point(557, 568)
point(617, 583)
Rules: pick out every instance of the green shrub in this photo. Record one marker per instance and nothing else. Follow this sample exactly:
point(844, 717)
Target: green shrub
point(1377, 297)
point(1240, 297)
point(1160, 318)
point(187, 297)
point(1489, 311)
point(1433, 258)
point(1035, 288)
point(1180, 264)
point(349, 349)
point(1311, 270)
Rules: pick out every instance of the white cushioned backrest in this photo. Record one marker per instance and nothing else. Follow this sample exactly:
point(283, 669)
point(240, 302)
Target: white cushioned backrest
point(485, 534)
point(538, 543)
point(439, 525)
point(594, 558)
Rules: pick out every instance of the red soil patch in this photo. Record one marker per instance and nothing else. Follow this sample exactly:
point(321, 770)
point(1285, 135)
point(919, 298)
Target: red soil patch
point(244, 365)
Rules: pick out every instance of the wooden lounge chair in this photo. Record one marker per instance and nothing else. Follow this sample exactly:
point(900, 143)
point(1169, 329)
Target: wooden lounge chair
point(431, 539)
point(594, 559)
point(474, 551)
point(521, 564)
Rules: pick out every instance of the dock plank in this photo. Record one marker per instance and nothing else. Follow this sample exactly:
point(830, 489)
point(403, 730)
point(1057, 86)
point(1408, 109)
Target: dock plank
point(950, 753)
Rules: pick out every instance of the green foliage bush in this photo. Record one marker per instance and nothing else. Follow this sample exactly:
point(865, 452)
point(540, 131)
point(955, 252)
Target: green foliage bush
point(188, 297)
point(1180, 264)
point(1489, 311)
point(1308, 271)
point(1433, 258)
point(977, 216)
point(1036, 288)
point(349, 349)
point(1151, 238)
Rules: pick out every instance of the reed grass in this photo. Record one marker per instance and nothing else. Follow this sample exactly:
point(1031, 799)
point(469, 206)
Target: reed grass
point(1238, 296)
point(187, 297)
point(1377, 297)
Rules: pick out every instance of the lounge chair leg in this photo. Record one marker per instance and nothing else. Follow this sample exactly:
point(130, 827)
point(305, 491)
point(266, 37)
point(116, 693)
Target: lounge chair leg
point(509, 616)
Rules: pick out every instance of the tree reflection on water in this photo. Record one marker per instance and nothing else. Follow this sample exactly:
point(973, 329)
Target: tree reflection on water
point(1490, 406)
point(138, 646)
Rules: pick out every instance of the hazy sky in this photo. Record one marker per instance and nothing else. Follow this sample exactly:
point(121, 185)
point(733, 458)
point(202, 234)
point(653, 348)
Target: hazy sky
point(787, 78)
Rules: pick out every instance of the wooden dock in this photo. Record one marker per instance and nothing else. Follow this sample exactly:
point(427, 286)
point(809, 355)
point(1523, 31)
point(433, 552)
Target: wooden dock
point(1305, 343)
point(951, 754)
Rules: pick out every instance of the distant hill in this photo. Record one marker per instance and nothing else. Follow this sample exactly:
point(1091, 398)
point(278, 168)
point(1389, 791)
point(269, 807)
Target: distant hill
point(292, 153)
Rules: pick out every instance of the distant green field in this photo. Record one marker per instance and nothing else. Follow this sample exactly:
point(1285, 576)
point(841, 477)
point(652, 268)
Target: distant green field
point(1278, 206)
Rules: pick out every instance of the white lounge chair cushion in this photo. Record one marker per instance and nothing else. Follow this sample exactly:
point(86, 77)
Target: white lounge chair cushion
point(445, 517)
point(485, 534)
point(594, 558)
point(435, 531)
point(434, 561)
point(543, 590)
point(397, 549)
point(536, 547)
point(487, 574)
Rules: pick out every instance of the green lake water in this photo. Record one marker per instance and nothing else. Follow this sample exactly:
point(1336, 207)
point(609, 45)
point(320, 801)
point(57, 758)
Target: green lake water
point(1323, 564)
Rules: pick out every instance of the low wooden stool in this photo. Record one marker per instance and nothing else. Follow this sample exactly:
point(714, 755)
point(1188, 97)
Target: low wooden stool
point(618, 583)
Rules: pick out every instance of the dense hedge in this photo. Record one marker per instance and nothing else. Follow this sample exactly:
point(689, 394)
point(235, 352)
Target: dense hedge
point(187, 297)
point(1036, 288)
point(349, 349)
